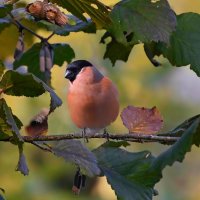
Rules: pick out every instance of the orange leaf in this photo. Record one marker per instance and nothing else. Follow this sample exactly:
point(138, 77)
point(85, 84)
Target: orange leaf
point(142, 120)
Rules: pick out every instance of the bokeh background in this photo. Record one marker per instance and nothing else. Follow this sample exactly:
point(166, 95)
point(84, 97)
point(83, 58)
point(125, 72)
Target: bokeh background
point(175, 91)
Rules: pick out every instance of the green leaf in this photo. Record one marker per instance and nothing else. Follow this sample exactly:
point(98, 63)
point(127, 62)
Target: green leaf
point(5, 9)
point(22, 166)
point(134, 177)
point(144, 19)
point(115, 50)
point(95, 9)
point(118, 171)
point(175, 153)
point(79, 25)
point(116, 144)
point(184, 44)
point(16, 84)
point(74, 151)
point(62, 52)
point(5, 127)
point(9, 123)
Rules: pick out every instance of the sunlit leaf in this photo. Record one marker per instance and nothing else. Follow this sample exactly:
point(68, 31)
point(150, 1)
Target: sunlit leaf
point(142, 120)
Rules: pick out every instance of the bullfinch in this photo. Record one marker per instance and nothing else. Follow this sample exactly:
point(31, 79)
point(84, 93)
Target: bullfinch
point(92, 97)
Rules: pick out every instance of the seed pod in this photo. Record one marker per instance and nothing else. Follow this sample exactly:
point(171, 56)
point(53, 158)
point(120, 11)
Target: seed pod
point(36, 9)
point(50, 11)
point(61, 19)
point(48, 57)
point(79, 182)
point(38, 125)
point(42, 59)
point(19, 47)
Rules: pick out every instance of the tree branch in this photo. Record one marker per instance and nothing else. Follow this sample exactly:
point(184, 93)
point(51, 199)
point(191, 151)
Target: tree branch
point(133, 137)
point(21, 26)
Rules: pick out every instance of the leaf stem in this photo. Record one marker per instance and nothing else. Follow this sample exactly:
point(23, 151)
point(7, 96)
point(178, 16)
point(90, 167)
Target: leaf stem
point(21, 27)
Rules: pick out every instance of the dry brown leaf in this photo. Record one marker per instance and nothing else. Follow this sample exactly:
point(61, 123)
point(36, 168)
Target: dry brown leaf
point(142, 120)
point(38, 125)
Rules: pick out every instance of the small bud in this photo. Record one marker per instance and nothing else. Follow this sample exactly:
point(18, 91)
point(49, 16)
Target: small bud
point(19, 47)
point(79, 182)
point(48, 57)
point(42, 60)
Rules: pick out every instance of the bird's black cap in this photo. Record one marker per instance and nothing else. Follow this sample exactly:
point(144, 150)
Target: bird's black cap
point(75, 67)
point(79, 64)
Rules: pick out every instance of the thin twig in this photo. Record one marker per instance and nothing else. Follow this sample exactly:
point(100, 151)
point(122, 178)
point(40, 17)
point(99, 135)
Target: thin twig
point(132, 137)
point(50, 36)
point(41, 146)
point(21, 26)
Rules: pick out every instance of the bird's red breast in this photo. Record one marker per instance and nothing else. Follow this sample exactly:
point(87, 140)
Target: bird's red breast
point(92, 99)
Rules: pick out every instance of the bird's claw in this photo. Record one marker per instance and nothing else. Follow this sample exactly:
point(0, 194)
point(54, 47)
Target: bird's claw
point(84, 135)
point(106, 134)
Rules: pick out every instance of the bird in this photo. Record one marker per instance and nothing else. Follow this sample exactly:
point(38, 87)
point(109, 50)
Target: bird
point(92, 98)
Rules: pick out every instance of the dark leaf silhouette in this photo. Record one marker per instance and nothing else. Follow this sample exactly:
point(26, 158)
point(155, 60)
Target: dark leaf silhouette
point(22, 166)
point(74, 151)
point(135, 175)
point(147, 20)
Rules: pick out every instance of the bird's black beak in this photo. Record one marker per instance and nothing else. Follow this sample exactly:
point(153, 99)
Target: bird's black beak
point(70, 75)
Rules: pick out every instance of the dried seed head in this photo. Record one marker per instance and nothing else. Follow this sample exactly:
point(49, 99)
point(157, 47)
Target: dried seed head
point(50, 12)
point(61, 19)
point(50, 16)
point(47, 11)
point(36, 9)
point(38, 125)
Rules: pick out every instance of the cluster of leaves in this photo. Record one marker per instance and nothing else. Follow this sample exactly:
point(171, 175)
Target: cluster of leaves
point(127, 23)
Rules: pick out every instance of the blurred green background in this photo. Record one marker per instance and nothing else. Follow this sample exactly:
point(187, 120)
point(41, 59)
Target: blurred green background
point(175, 91)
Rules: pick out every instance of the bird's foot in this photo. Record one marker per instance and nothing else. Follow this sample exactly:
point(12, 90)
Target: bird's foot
point(106, 134)
point(84, 135)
